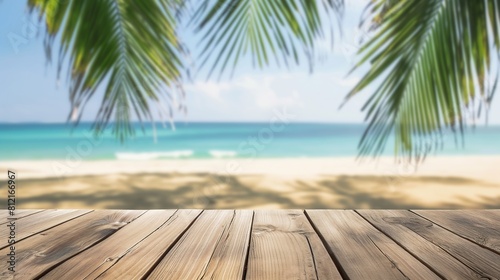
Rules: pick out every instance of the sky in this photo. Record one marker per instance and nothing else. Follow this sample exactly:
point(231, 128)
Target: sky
point(30, 91)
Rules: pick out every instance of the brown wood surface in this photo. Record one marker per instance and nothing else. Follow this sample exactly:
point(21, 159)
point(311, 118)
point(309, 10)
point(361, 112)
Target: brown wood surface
point(280, 248)
point(97, 259)
point(434, 245)
point(479, 226)
point(364, 252)
point(142, 257)
point(18, 214)
point(190, 256)
point(39, 253)
point(39, 222)
point(261, 244)
point(229, 257)
point(483, 261)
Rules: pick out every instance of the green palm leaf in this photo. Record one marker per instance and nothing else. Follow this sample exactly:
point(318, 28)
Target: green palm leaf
point(434, 62)
point(278, 29)
point(129, 48)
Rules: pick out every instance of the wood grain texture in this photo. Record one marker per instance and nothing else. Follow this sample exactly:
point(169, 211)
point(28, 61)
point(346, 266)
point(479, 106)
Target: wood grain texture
point(479, 226)
point(190, 256)
point(229, 257)
point(39, 222)
point(284, 246)
point(4, 214)
point(363, 251)
point(445, 252)
point(92, 262)
point(19, 214)
point(142, 257)
point(483, 261)
point(39, 253)
point(246, 244)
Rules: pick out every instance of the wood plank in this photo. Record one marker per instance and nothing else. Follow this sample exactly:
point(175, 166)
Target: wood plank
point(112, 251)
point(285, 246)
point(47, 249)
point(277, 244)
point(37, 223)
point(362, 251)
point(448, 254)
point(141, 258)
point(19, 214)
point(228, 260)
point(198, 243)
point(479, 226)
point(4, 213)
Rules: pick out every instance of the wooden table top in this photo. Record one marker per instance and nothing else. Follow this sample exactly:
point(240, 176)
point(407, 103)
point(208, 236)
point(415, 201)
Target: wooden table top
point(246, 244)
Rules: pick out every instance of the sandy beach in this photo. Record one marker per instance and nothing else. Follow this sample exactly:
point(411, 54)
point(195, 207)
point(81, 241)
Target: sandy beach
point(440, 182)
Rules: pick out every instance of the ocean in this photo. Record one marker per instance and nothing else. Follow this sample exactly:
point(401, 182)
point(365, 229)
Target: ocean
point(212, 140)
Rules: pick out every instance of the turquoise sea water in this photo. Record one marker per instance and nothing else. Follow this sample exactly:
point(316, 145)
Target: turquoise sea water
point(212, 140)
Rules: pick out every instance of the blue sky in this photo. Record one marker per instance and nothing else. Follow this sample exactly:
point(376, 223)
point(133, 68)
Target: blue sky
point(30, 91)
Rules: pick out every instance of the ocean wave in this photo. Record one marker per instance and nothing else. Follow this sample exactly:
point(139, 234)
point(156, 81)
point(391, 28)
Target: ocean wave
point(222, 154)
point(154, 155)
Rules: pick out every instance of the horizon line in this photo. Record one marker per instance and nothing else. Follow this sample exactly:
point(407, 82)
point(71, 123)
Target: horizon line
point(481, 124)
point(181, 122)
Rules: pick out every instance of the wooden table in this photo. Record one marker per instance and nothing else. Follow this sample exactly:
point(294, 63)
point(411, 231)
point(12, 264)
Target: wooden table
point(246, 244)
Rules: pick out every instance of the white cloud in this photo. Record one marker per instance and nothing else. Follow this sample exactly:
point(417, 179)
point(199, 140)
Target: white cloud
point(265, 96)
point(314, 96)
point(334, 78)
point(258, 87)
point(210, 88)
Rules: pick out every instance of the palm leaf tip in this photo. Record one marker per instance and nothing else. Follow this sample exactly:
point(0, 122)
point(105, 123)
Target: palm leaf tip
point(128, 49)
point(269, 30)
point(433, 60)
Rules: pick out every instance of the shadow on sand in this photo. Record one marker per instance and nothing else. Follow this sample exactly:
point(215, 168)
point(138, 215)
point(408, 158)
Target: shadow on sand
point(204, 190)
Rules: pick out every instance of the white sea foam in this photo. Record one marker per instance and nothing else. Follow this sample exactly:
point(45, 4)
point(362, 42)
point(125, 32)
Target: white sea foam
point(222, 154)
point(154, 155)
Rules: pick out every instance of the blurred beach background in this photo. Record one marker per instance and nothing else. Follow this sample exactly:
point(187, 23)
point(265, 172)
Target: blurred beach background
point(243, 165)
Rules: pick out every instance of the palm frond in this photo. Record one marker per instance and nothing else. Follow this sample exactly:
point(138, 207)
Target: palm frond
point(128, 48)
point(282, 30)
point(434, 60)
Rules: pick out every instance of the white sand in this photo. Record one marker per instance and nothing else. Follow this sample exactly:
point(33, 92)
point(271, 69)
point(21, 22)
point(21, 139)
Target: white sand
point(477, 167)
point(440, 182)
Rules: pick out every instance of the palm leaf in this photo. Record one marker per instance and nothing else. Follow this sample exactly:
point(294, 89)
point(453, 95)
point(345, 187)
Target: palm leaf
point(280, 29)
point(433, 62)
point(128, 48)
